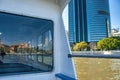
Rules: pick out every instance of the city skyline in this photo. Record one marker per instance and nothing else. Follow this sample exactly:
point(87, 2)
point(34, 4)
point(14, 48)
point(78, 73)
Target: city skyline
point(114, 14)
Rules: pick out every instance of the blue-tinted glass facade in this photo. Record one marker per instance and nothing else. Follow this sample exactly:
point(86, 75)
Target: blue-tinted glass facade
point(72, 28)
point(98, 19)
point(91, 20)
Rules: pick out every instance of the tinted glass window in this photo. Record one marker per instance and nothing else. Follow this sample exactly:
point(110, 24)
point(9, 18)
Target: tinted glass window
point(26, 44)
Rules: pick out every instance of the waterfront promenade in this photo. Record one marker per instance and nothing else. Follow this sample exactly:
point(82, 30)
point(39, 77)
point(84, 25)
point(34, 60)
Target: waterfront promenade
point(96, 54)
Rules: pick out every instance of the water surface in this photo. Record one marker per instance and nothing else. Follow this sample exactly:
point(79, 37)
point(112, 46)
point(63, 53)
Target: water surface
point(97, 69)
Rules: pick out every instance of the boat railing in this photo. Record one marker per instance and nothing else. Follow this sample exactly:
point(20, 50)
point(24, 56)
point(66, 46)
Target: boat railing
point(96, 54)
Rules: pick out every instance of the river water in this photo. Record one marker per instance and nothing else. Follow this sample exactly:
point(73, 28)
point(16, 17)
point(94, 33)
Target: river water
point(97, 69)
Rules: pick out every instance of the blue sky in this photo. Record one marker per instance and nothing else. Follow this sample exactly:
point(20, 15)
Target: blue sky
point(114, 12)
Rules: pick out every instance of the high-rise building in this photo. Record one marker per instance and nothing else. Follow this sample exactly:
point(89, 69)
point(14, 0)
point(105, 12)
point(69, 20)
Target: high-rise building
point(89, 20)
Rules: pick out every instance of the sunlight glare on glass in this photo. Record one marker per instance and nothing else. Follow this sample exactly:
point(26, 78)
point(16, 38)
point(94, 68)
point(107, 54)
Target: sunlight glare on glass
point(0, 33)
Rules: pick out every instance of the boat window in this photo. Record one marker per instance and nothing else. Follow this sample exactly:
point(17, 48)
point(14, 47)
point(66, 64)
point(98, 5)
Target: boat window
point(26, 44)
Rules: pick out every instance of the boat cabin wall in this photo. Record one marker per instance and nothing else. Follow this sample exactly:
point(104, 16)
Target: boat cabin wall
point(36, 8)
point(45, 9)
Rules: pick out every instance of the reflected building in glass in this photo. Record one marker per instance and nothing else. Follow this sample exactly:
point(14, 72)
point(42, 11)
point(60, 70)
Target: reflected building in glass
point(89, 20)
point(27, 42)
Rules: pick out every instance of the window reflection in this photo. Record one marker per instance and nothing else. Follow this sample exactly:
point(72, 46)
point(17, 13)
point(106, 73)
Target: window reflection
point(27, 42)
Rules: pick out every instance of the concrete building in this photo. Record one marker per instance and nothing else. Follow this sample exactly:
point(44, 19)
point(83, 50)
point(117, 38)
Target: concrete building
point(115, 32)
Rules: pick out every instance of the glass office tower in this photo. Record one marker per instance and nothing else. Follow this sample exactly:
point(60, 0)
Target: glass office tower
point(89, 20)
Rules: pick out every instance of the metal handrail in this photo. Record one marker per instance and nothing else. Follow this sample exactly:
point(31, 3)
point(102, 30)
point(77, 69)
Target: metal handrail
point(112, 56)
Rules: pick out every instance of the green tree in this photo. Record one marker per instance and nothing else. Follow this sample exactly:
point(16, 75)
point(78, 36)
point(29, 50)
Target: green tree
point(118, 42)
point(108, 44)
point(80, 46)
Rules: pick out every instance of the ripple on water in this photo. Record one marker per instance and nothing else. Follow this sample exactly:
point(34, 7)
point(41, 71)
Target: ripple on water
point(97, 69)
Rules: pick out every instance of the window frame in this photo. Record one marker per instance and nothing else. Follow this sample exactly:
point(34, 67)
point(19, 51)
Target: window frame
point(52, 32)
